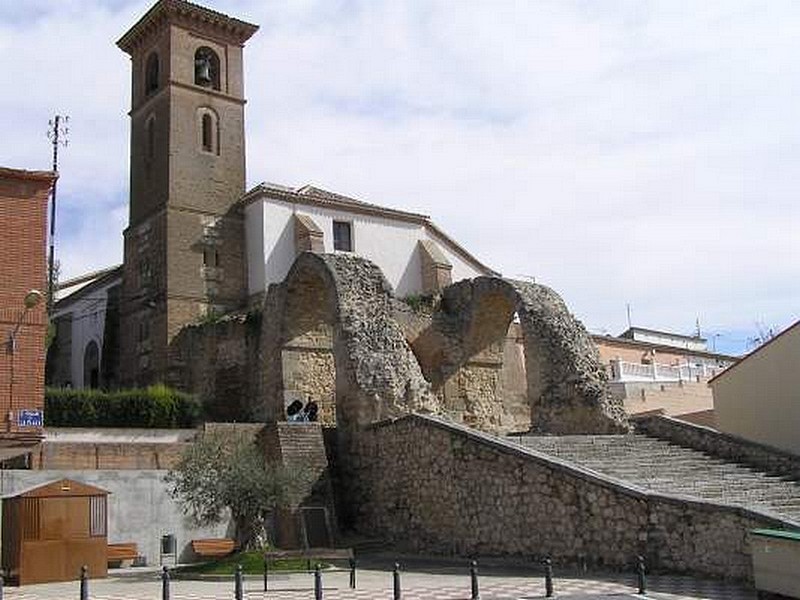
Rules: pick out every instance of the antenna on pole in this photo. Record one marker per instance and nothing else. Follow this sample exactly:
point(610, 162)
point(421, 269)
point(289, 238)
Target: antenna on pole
point(57, 134)
point(628, 309)
point(697, 327)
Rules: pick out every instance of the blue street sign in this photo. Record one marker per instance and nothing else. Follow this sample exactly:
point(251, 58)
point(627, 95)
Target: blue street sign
point(30, 418)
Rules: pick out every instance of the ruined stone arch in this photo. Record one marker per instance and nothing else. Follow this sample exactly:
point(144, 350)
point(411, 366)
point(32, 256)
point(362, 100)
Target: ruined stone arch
point(462, 355)
point(336, 318)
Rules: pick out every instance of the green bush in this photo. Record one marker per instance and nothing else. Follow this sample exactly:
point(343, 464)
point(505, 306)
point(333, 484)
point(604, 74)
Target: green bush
point(156, 406)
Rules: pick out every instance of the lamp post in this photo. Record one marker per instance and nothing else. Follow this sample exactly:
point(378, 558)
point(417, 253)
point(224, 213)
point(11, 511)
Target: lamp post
point(32, 299)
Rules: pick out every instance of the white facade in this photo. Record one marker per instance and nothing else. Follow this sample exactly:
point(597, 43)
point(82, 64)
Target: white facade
point(664, 338)
point(88, 314)
point(391, 243)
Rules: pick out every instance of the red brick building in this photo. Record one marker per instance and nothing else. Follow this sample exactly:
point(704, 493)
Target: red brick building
point(23, 315)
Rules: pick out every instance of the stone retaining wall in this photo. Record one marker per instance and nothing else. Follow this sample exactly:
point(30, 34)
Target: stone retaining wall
point(429, 485)
point(724, 445)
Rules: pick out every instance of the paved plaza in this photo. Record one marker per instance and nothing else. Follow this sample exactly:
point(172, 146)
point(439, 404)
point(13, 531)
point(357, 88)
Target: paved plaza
point(424, 583)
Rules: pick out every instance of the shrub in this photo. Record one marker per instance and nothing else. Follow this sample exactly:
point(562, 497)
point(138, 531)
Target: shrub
point(156, 407)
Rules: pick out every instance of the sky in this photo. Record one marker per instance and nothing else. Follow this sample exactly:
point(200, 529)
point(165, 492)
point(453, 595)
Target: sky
point(625, 153)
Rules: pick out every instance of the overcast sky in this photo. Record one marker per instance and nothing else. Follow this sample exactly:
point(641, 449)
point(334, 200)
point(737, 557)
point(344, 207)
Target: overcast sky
point(621, 152)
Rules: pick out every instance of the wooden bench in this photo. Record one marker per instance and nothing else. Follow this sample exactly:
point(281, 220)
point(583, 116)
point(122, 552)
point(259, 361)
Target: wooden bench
point(310, 554)
point(121, 552)
point(213, 548)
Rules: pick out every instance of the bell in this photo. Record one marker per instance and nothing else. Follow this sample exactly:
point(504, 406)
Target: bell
point(202, 71)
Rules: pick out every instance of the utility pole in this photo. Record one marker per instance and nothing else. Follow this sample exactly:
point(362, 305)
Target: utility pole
point(57, 134)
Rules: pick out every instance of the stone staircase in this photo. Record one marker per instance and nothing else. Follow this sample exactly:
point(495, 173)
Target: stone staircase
point(665, 467)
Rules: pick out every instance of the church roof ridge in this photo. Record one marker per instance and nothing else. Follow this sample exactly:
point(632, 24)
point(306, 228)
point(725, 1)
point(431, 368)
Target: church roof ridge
point(240, 30)
point(311, 195)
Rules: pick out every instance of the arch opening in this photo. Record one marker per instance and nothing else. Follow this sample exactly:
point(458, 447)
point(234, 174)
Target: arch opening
point(508, 356)
point(91, 366)
point(308, 366)
point(206, 68)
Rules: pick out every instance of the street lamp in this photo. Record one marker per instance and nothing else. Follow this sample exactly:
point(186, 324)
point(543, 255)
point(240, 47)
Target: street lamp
point(31, 300)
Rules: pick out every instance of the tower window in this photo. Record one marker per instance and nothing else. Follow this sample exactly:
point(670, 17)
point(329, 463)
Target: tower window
point(342, 236)
point(151, 138)
point(151, 74)
point(208, 130)
point(206, 68)
point(208, 135)
point(210, 257)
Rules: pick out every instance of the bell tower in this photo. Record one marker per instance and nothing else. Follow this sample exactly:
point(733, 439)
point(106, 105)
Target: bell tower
point(184, 245)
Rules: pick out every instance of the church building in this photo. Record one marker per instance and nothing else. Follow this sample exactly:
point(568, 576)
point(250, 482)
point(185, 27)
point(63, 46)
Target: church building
point(198, 242)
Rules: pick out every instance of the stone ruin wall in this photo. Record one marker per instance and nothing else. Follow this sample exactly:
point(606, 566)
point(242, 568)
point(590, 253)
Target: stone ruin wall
point(456, 491)
point(333, 332)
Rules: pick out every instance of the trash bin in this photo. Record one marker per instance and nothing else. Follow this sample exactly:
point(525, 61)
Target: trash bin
point(168, 544)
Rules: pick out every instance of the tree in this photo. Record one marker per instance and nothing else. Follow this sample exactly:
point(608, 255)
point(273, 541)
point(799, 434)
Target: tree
point(226, 470)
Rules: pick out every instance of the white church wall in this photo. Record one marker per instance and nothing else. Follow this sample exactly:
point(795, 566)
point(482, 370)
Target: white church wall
point(88, 325)
point(389, 243)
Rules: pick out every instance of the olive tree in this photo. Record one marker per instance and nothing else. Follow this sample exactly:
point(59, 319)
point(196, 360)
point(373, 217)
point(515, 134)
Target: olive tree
point(226, 471)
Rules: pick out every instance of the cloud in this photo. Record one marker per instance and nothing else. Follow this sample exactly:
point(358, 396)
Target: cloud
point(622, 152)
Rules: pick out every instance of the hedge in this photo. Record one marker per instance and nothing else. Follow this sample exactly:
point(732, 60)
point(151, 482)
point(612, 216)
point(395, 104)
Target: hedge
point(156, 406)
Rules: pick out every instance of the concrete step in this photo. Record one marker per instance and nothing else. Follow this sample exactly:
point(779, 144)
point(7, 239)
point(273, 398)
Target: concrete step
point(666, 467)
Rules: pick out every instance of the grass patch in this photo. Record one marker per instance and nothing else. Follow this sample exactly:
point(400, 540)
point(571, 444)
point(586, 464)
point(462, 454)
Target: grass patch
point(252, 563)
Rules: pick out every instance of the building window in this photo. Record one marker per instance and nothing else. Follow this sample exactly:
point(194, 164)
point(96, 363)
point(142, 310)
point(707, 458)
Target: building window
point(145, 272)
point(208, 137)
point(206, 68)
point(151, 138)
point(151, 74)
point(97, 516)
point(342, 236)
point(208, 130)
point(210, 257)
point(144, 330)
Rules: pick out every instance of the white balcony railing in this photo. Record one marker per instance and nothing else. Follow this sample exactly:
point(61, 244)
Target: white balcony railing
point(620, 370)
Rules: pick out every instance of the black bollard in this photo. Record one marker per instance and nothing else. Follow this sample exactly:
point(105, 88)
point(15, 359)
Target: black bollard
point(266, 572)
point(396, 582)
point(84, 582)
point(352, 573)
point(164, 583)
point(238, 589)
point(548, 578)
point(473, 575)
point(640, 574)
point(317, 582)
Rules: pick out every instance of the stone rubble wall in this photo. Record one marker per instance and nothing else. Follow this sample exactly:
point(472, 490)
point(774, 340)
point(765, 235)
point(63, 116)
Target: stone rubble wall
point(333, 332)
point(463, 350)
point(376, 374)
point(724, 445)
point(431, 486)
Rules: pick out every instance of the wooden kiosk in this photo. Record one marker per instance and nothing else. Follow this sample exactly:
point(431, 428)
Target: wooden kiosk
point(50, 531)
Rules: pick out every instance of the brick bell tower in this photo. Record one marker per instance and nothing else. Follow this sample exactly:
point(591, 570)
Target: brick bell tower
point(184, 245)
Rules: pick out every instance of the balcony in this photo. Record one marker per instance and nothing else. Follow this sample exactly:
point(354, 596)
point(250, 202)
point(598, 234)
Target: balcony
point(622, 371)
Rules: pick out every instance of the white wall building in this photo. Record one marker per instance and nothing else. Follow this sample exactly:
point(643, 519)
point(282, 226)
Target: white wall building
point(412, 252)
point(80, 317)
point(666, 338)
